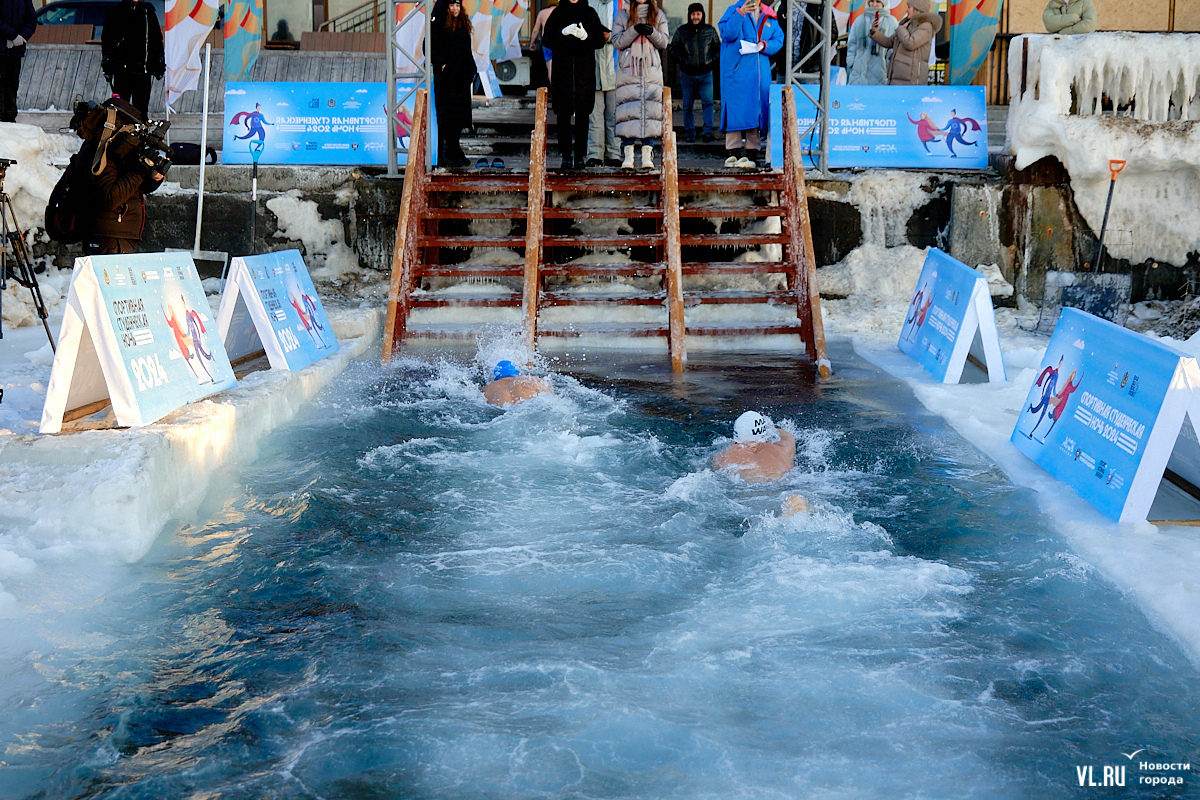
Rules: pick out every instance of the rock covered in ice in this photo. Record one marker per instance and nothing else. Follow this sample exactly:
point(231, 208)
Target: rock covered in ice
point(1116, 95)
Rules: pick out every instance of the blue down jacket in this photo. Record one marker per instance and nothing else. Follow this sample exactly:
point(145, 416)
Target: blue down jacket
point(746, 79)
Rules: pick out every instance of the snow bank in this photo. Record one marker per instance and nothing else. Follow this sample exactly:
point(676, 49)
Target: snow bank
point(40, 157)
point(1153, 81)
point(327, 255)
point(109, 492)
point(886, 201)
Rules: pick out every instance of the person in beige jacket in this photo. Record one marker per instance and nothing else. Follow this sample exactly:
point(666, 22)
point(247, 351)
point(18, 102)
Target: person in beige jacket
point(911, 44)
point(1070, 16)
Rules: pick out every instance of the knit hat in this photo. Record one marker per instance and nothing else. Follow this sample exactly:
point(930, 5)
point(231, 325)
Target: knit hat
point(695, 7)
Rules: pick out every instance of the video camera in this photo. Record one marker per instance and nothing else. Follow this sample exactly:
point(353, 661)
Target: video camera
point(142, 144)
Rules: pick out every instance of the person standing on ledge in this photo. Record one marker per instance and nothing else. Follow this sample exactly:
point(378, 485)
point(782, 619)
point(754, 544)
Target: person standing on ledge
point(1070, 16)
point(760, 452)
point(453, 73)
point(131, 51)
point(696, 47)
point(574, 34)
point(750, 35)
point(509, 386)
point(910, 44)
point(640, 35)
point(17, 23)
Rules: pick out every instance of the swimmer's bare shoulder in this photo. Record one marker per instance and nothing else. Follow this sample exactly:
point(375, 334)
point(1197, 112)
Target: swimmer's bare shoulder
point(509, 391)
point(759, 461)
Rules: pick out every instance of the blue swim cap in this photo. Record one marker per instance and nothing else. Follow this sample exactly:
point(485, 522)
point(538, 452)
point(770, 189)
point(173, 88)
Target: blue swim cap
point(505, 369)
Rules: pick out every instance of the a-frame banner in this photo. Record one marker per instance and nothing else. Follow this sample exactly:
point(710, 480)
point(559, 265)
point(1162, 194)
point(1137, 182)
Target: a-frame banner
point(137, 332)
point(270, 304)
point(950, 319)
point(1106, 411)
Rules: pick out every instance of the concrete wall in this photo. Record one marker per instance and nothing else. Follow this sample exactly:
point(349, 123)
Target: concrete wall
point(1025, 16)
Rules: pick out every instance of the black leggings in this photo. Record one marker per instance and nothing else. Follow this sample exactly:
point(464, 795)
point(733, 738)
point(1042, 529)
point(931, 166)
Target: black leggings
point(573, 138)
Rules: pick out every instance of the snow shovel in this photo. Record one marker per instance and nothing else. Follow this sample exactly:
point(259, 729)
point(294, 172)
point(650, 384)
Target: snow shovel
point(1114, 166)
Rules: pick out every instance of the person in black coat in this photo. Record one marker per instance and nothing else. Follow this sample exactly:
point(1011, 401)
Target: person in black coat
point(131, 48)
point(574, 34)
point(453, 73)
point(17, 23)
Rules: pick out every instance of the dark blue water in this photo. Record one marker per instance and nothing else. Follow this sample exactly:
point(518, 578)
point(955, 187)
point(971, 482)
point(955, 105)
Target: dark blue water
point(412, 594)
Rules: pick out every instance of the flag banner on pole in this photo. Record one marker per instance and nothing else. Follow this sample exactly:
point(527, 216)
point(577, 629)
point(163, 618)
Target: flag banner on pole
point(973, 26)
point(243, 36)
point(188, 24)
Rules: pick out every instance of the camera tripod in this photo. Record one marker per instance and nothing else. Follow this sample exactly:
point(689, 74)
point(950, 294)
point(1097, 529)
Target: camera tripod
point(14, 255)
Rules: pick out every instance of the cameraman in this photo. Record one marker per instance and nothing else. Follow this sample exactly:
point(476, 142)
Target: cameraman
point(117, 191)
point(131, 47)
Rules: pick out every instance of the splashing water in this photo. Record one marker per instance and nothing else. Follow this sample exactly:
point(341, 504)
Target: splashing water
point(413, 594)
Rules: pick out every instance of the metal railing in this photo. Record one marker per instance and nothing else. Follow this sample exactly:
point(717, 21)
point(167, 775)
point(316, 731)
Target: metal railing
point(795, 77)
point(407, 73)
point(368, 16)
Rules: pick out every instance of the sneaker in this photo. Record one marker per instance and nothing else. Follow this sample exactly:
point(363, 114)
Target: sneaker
point(689, 137)
point(708, 137)
point(732, 161)
point(743, 163)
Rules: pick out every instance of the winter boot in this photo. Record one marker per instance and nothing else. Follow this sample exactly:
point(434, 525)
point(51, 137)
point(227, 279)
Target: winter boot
point(647, 157)
point(628, 162)
point(747, 160)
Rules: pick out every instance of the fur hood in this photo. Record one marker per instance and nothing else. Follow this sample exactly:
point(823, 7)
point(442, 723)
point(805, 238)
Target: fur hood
point(928, 16)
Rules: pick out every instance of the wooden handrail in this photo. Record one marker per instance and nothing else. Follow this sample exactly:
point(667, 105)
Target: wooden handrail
point(405, 253)
point(801, 253)
point(533, 221)
point(676, 340)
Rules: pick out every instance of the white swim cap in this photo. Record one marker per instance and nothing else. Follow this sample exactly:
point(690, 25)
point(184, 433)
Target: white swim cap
point(754, 427)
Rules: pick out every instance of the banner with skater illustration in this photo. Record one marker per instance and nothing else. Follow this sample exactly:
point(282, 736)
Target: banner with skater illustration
point(1105, 412)
point(138, 333)
point(920, 127)
point(305, 123)
point(269, 304)
point(949, 317)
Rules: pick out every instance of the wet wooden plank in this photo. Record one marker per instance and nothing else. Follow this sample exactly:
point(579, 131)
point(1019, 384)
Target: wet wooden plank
point(673, 278)
point(621, 240)
point(732, 239)
point(471, 241)
point(534, 200)
point(460, 301)
point(640, 269)
point(471, 270)
point(733, 267)
point(562, 212)
point(405, 252)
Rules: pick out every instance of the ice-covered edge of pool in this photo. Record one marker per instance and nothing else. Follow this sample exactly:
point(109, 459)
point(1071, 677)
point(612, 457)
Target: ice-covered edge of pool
point(112, 491)
point(1158, 567)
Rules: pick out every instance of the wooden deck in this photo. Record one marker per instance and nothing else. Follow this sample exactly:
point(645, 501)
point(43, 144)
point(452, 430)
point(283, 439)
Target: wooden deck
point(54, 75)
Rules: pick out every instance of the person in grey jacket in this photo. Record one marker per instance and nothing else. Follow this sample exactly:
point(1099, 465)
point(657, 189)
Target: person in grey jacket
point(866, 59)
point(602, 136)
point(640, 36)
point(1070, 16)
point(911, 43)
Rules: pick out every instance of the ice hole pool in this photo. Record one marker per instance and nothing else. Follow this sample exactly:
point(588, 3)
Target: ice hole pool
point(411, 594)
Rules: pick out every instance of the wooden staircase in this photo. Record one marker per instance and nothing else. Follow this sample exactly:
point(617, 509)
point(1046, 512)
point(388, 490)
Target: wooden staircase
point(614, 241)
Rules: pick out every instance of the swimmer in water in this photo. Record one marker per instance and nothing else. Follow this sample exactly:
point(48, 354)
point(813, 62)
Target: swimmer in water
point(759, 451)
point(509, 386)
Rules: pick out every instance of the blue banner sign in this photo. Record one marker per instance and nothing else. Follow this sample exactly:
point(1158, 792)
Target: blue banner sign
point(913, 127)
point(950, 306)
point(305, 123)
point(1105, 411)
point(138, 331)
point(270, 304)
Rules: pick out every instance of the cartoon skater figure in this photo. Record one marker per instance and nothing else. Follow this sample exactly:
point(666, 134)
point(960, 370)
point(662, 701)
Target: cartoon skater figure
point(1048, 380)
point(927, 131)
point(955, 128)
point(921, 313)
point(1058, 404)
point(914, 308)
point(254, 121)
point(306, 309)
point(190, 344)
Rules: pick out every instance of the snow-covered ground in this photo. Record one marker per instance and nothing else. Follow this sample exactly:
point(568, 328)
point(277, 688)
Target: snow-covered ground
point(126, 484)
point(1159, 567)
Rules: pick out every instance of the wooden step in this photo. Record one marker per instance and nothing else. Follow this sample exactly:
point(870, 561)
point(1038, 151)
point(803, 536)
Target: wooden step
point(582, 183)
point(569, 299)
point(602, 329)
point(620, 240)
point(748, 181)
point(627, 212)
point(734, 267)
point(729, 211)
point(471, 271)
point(462, 242)
point(746, 329)
point(490, 184)
point(718, 297)
point(464, 301)
point(731, 239)
point(640, 269)
point(476, 213)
